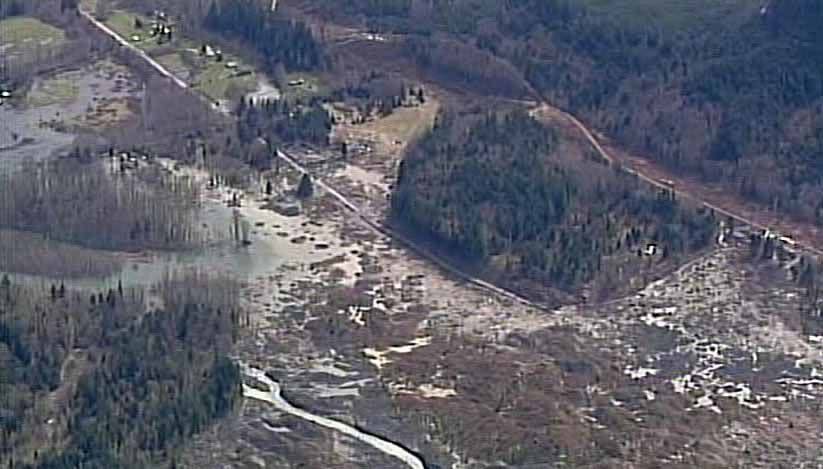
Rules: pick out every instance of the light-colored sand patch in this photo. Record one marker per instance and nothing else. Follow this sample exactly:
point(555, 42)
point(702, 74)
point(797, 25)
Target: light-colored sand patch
point(379, 359)
point(331, 369)
point(640, 372)
point(430, 391)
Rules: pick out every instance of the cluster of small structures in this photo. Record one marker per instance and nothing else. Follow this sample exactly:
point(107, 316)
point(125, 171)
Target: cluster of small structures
point(161, 28)
point(126, 160)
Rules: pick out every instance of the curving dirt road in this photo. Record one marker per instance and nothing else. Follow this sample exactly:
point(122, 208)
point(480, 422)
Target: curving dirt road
point(801, 242)
point(805, 243)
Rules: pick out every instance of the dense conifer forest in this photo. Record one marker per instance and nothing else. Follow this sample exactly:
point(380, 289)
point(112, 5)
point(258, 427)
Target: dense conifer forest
point(499, 189)
point(92, 379)
point(124, 377)
point(727, 91)
point(278, 41)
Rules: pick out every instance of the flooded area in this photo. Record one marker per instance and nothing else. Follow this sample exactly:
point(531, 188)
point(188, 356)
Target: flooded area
point(272, 242)
point(58, 108)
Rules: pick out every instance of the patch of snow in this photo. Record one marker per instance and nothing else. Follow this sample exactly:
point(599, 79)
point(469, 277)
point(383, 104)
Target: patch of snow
point(414, 344)
point(429, 391)
point(273, 395)
point(378, 357)
point(640, 372)
point(683, 383)
point(274, 429)
point(332, 391)
point(356, 315)
point(332, 370)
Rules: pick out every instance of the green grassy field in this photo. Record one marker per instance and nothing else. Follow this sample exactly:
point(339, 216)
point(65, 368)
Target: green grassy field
point(57, 90)
point(88, 5)
point(175, 64)
point(673, 15)
point(23, 34)
point(207, 75)
point(122, 22)
point(218, 82)
point(312, 86)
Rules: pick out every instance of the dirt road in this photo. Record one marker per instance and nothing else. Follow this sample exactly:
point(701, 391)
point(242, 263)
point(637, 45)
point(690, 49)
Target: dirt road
point(633, 165)
point(380, 228)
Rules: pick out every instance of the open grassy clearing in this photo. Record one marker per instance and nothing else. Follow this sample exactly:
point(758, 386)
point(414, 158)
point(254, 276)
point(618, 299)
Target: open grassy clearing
point(174, 63)
point(212, 78)
point(25, 35)
point(57, 90)
point(311, 85)
point(405, 123)
point(106, 113)
point(218, 82)
point(88, 5)
point(123, 23)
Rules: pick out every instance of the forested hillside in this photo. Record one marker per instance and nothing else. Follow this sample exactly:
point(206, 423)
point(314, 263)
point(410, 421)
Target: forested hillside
point(278, 41)
point(89, 379)
point(723, 90)
point(10, 8)
point(283, 121)
point(499, 189)
point(807, 275)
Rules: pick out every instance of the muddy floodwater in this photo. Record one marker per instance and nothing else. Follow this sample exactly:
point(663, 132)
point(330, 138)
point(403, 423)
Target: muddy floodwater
point(44, 121)
point(274, 242)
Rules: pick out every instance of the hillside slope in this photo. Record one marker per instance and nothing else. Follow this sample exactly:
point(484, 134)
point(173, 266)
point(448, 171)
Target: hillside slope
point(539, 215)
point(728, 91)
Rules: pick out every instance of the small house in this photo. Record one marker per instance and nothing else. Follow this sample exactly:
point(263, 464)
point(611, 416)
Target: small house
point(208, 51)
point(651, 249)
